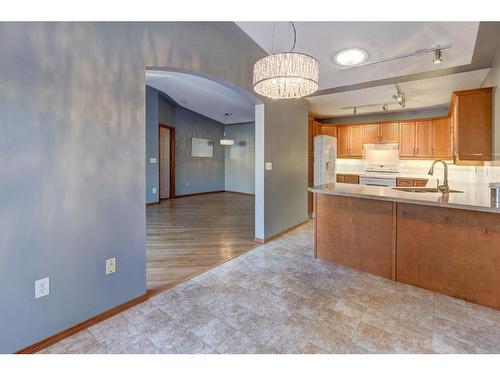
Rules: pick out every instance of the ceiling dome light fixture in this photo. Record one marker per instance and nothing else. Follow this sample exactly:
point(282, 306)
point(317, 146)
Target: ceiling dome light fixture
point(286, 75)
point(350, 57)
point(437, 57)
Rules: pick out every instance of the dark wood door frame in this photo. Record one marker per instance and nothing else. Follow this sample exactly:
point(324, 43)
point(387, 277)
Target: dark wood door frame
point(171, 159)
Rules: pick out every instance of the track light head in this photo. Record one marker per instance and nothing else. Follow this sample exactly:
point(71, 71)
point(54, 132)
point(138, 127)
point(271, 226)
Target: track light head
point(437, 57)
point(385, 107)
point(355, 110)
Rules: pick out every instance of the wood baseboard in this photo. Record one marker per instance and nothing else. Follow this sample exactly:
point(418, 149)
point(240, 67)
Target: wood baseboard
point(267, 239)
point(239, 192)
point(81, 326)
point(152, 203)
point(202, 193)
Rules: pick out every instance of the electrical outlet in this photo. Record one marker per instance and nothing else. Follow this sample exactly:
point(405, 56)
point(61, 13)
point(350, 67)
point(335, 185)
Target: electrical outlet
point(42, 288)
point(110, 266)
point(269, 166)
point(154, 190)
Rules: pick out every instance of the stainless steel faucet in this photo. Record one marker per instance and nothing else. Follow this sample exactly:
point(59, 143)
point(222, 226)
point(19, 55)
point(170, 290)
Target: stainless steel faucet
point(445, 189)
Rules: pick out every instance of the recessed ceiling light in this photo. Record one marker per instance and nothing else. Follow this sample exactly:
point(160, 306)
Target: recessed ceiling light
point(350, 57)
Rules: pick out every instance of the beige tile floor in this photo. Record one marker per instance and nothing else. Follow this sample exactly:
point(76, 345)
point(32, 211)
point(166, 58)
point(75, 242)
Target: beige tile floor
point(278, 299)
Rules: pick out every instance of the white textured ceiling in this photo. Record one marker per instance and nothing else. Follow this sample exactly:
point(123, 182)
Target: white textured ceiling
point(380, 39)
point(420, 94)
point(202, 95)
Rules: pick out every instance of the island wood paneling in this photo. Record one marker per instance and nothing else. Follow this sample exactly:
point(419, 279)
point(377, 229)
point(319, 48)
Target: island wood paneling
point(450, 251)
point(356, 233)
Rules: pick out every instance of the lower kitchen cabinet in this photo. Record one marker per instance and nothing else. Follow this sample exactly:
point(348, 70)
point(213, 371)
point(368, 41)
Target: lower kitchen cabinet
point(348, 178)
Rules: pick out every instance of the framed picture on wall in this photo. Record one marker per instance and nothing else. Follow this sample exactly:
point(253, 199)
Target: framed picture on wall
point(202, 147)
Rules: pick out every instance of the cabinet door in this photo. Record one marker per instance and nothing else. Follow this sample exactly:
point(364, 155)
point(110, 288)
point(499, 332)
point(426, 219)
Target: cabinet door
point(330, 130)
point(371, 133)
point(404, 182)
point(389, 132)
point(407, 139)
point(423, 139)
point(441, 138)
point(351, 179)
point(343, 141)
point(355, 140)
point(475, 125)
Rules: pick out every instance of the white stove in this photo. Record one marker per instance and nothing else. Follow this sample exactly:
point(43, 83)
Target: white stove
point(381, 165)
point(379, 178)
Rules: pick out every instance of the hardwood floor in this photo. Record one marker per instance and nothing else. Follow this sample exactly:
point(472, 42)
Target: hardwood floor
point(190, 235)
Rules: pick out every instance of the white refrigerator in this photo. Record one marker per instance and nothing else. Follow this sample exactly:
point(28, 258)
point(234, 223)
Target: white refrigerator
point(325, 157)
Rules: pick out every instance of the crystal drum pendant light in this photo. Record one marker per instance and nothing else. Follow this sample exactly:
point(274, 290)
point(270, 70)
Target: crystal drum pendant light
point(286, 75)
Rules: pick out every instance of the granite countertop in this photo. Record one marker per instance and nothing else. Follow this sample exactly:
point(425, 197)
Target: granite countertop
point(474, 197)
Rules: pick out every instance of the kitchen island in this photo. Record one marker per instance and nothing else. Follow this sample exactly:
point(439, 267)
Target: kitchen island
point(446, 243)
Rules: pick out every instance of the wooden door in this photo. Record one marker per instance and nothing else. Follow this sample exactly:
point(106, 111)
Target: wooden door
point(441, 138)
point(407, 139)
point(371, 133)
point(355, 140)
point(389, 132)
point(164, 163)
point(423, 146)
point(343, 141)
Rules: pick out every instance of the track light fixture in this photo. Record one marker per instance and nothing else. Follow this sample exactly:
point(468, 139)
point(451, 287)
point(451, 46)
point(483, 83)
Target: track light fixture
point(355, 110)
point(436, 53)
point(385, 108)
point(400, 96)
point(437, 57)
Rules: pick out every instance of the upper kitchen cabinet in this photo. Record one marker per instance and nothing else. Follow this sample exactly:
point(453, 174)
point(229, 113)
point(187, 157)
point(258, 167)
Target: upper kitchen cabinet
point(371, 133)
point(407, 139)
point(423, 140)
point(380, 133)
point(471, 119)
point(426, 139)
point(330, 130)
point(350, 141)
point(389, 132)
point(441, 138)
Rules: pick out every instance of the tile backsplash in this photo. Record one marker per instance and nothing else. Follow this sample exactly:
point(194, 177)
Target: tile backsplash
point(460, 174)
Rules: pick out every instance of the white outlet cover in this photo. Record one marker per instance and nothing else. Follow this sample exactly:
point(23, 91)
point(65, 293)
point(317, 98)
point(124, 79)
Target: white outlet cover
point(269, 166)
point(42, 288)
point(152, 160)
point(154, 190)
point(110, 266)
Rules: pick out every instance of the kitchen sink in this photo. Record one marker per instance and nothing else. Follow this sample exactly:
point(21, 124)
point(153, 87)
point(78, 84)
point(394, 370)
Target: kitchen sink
point(422, 190)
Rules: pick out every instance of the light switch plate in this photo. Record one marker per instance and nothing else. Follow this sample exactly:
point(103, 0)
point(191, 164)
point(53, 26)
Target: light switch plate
point(153, 190)
point(269, 166)
point(152, 160)
point(42, 288)
point(110, 266)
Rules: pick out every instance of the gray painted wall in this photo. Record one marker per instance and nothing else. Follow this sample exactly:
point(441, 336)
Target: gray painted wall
point(72, 114)
point(240, 158)
point(285, 187)
point(192, 175)
point(196, 175)
point(493, 79)
point(152, 120)
point(390, 116)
